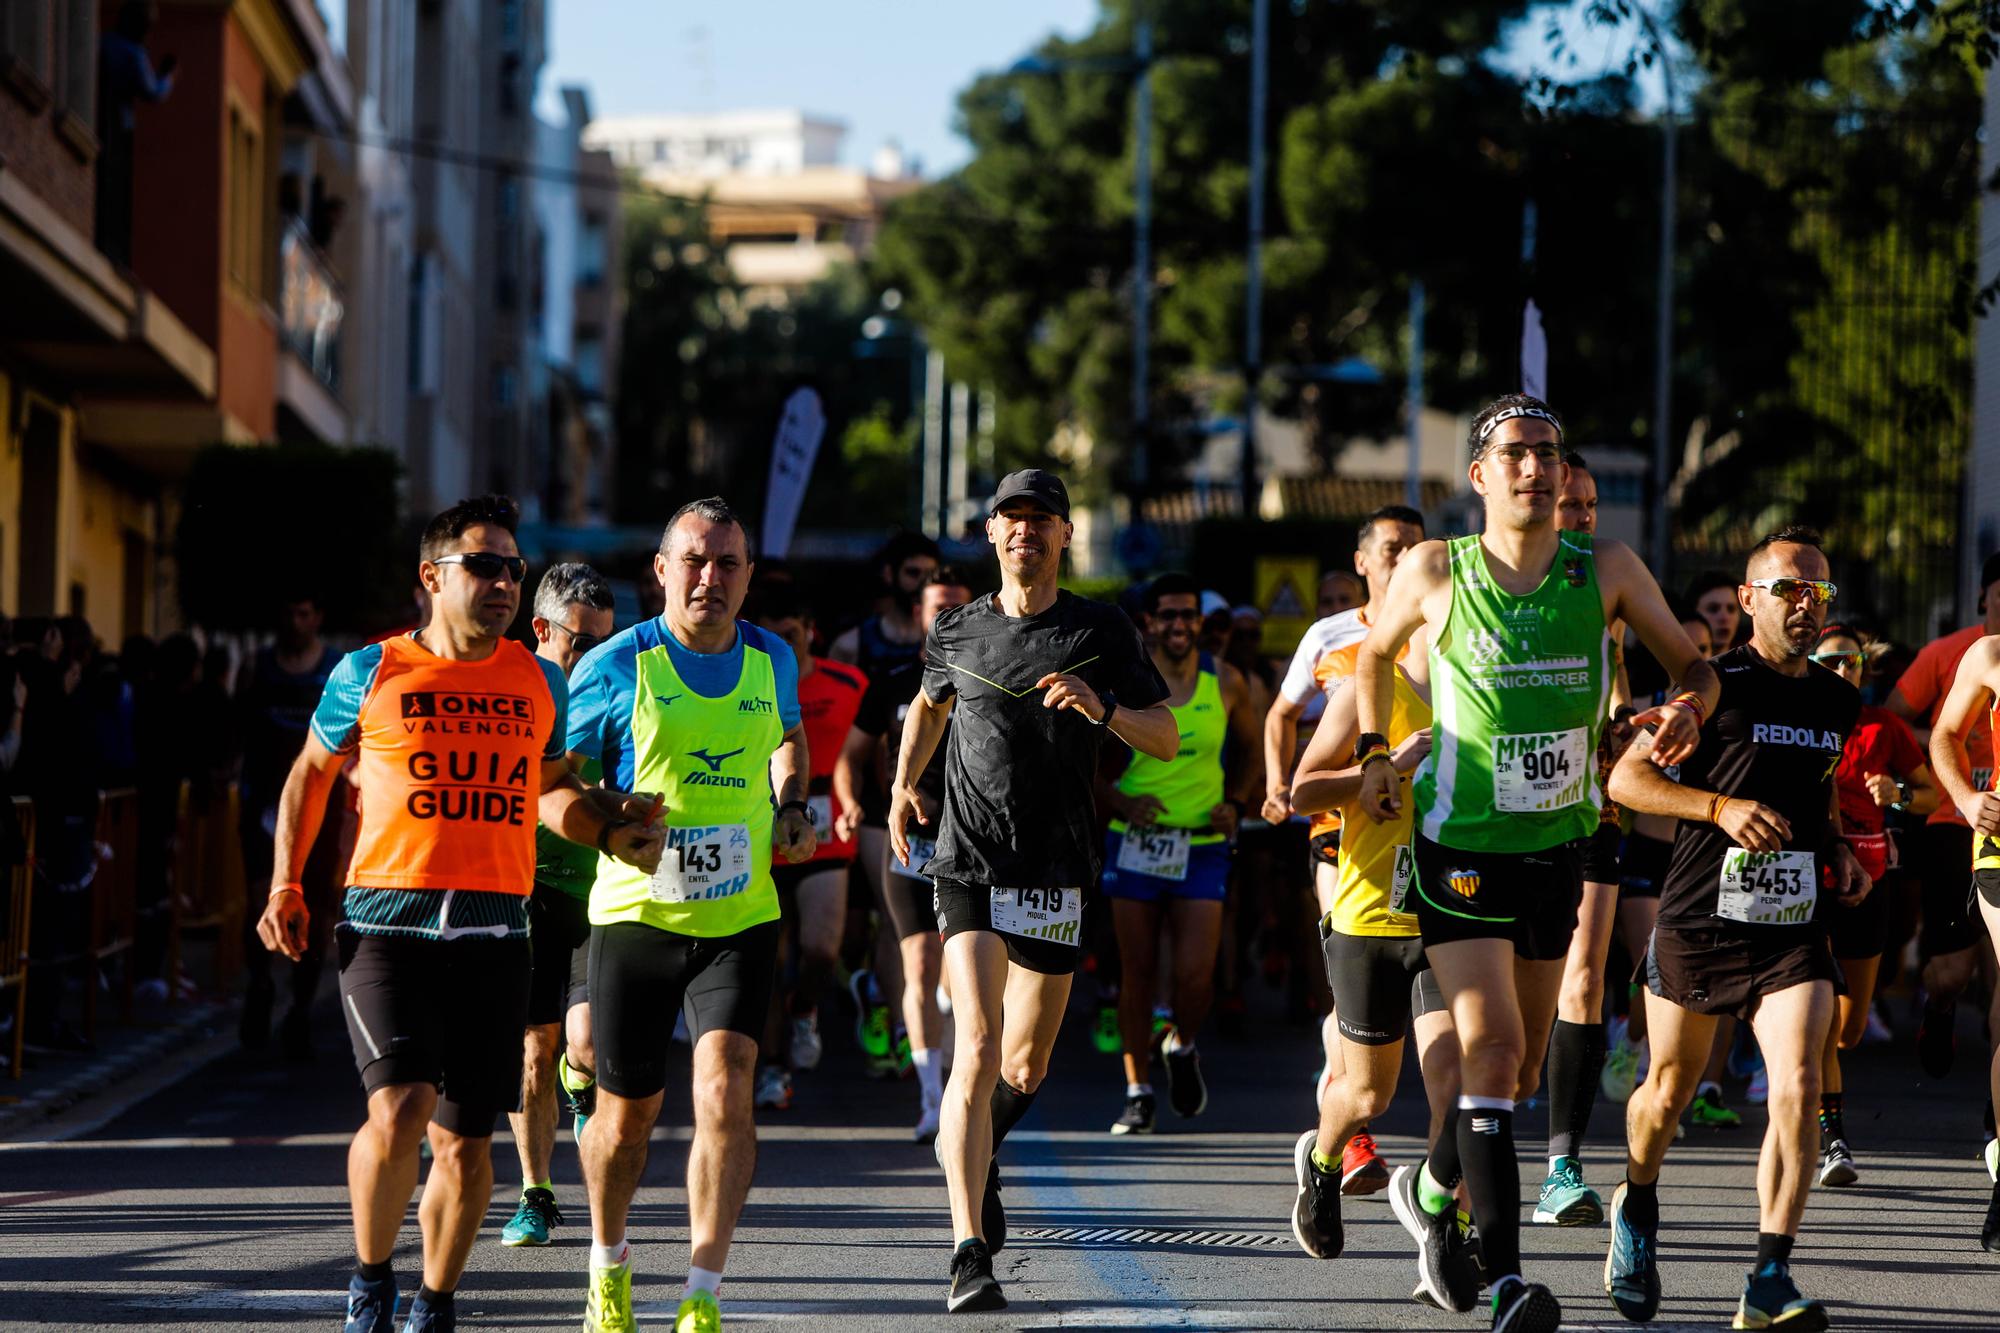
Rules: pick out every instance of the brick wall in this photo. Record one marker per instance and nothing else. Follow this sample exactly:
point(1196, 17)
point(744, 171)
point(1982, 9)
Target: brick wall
point(32, 150)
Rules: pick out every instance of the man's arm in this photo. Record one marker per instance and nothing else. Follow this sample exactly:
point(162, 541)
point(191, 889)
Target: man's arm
point(301, 809)
point(1637, 600)
point(1853, 883)
point(1243, 734)
point(583, 814)
point(792, 836)
point(923, 727)
point(1281, 742)
point(1971, 690)
point(1638, 785)
point(1424, 571)
point(854, 752)
point(1323, 782)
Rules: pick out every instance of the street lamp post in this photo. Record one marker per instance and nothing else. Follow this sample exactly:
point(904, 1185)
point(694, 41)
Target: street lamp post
point(1659, 544)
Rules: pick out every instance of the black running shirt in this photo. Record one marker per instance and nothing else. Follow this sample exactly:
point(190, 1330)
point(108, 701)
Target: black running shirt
point(1019, 800)
point(883, 709)
point(1776, 739)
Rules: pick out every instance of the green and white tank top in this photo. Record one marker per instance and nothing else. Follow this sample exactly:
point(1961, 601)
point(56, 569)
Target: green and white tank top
point(1520, 687)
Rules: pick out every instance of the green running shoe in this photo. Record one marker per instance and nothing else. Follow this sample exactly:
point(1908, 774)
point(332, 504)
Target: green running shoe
point(871, 1020)
point(699, 1313)
point(1566, 1201)
point(531, 1221)
point(1708, 1112)
point(904, 1061)
point(608, 1304)
point(1105, 1034)
point(580, 1091)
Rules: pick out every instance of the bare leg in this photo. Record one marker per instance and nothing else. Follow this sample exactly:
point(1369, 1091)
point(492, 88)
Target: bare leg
point(382, 1165)
point(454, 1203)
point(976, 962)
point(614, 1157)
point(1437, 1058)
point(1197, 931)
point(1138, 926)
point(1636, 917)
point(724, 1155)
point(534, 1125)
point(923, 963)
point(1682, 1042)
point(582, 1052)
point(1791, 1027)
point(1538, 986)
point(1581, 999)
point(1359, 1094)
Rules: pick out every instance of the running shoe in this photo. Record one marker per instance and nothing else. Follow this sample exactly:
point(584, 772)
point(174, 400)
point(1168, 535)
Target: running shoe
point(1105, 1035)
point(699, 1313)
point(1836, 1164)
point(531, 1221)
point(1772, 1300)
point(1137, 1117)
point(1632, 1267)
point(1991, 1154)
point(580, 1091)
point(607, 1305)
point(1446, 1269)
point(1745, 1056)
point(1621, 1072)
point(1877, 1031)
point(1362, 1170)
point(1316, 1211)
point(774, 1089)
point(371, 1306)
point(1525, 1307)
point(1989, 1233)
point(1187, 1093)
point(1566, 1201)
point(1708, 1112)
point(806, 1045)
point(1937, 1039)
point(992, 1213)
point(871, 1018)
point(973, 1286)
point(1163, 1023)
point(1759, 1091)
point(900, 1058)
point(428, 1318)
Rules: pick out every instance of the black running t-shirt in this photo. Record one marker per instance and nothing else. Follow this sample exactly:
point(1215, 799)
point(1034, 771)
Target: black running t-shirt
point(1019, 807)
point(883, 710)
point(1775, 739)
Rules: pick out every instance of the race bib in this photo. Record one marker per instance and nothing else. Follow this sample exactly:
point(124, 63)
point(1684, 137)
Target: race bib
point(921, 852)
point(700, 864)
point(822, 817)
point(1768, 888)
point(1159, 852)
point(1541, 772)
point(1399, 884)
point(1039, 914)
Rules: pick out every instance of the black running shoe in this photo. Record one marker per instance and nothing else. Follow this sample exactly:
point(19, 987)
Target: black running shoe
point(1937, 1039)
point(1316, 1212)
point(992, 1215)
point(1525, 1307)
point(1186, 1092)
point(1989, 1235)
point(973, 1286)
point(1137, 1117)
point(371, 1306)
point(1446, 1266)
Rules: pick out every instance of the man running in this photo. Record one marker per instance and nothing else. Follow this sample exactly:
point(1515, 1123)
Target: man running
point(905, 892)
point(812, 895)
point(1973, 700)
point(890, 637)
point(572, 616)
point(1033, 679)
point(1166, 859)
point(457, 731)
point(1741, 928)
point(1521, 668)
point(704, 710)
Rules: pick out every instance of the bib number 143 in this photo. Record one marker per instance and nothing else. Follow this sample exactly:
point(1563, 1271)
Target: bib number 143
point(702, 863)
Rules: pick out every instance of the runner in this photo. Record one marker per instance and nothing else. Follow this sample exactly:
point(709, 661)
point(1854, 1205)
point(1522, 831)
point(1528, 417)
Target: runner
point(1520, 668)
point(1882, 766)
point(812, 895)
point(1166, 859)
point(457, 731)
point(890, 636)
point(1951, 938)
point(703, 709)
point(1033, 679)
point(1339, 590)
point(572, 616)
point(1973, 699)
point(1325, 657)
point(1740, 929)
point(905, 894)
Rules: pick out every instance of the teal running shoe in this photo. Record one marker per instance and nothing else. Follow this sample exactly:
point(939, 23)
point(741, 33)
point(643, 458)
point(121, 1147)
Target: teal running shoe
point(1772, 1300)
point(1566, 1201)
point(531, 1221)
point(1632, 1268)
point(580, 1091)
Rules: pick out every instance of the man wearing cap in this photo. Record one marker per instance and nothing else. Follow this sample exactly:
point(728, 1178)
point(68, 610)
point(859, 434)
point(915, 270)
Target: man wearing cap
point(1032, 680)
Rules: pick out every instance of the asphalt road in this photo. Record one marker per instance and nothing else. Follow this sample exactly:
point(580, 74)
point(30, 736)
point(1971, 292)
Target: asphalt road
point(220, 1203)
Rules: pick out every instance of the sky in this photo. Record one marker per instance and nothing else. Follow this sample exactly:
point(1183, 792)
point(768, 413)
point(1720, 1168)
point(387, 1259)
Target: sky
point(890, 69)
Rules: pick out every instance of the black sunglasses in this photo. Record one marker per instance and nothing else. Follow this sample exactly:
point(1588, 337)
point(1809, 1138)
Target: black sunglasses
point(583, 643)
point(1177, 613)
point(486, 565)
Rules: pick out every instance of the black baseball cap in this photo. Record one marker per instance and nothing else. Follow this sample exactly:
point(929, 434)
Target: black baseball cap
point(1045, 488)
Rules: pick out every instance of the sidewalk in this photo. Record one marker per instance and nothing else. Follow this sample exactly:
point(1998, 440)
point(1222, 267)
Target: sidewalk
point(62, 1093)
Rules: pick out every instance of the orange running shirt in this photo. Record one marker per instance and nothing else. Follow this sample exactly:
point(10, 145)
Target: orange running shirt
point(1924, 686)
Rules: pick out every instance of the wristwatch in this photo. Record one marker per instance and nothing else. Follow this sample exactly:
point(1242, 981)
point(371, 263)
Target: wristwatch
point(611, 826)
point(1110, 702)
point(799, 806)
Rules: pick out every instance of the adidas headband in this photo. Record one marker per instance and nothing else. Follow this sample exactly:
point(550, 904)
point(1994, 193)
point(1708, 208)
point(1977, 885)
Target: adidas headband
point(1514, 413)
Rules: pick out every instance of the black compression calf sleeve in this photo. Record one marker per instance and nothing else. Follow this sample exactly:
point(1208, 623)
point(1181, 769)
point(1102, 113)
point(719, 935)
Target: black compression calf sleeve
point(1576, 1060)
point(1443, 1163)
point(1493, 1178)
point(1009, 1106)
point(814, 973)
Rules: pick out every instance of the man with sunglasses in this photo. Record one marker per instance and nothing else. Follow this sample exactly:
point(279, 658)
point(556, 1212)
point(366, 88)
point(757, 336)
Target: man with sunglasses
point(1167, 858)
point(1521, 668)
point(1757, 859)
point(703, 709)
point(572, 616)
point(890, 637)
point(459, 732)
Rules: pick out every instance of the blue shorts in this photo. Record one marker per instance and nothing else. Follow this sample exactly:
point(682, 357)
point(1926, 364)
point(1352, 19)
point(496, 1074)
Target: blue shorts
point(1207, 875)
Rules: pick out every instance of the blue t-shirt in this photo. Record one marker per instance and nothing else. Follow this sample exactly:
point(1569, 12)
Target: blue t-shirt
point(601, 688)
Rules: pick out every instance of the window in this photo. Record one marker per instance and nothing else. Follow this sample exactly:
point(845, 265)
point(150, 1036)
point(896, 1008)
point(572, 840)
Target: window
point(246, 203)
point(75, 48)
point(590, 364)
point(590, 252)
point(25, 49)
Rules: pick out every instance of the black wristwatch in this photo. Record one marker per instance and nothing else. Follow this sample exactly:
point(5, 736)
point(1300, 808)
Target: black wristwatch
point(1110, 702)
point(1369, 742)
point(611, 826)
point(799, 806)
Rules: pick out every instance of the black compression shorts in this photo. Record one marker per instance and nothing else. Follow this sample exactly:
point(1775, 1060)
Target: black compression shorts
point(1380, 983)
point(559, 937)
point(1600, 855)
point(640, 976)
point(444, 1012)
point(1642, 868)
point(1945, 862)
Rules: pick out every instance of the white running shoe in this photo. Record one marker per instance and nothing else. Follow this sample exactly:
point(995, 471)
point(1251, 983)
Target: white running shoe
point(1621, 1071)
point(927, 1123)
point(774, 1089)
point(806, 1045)
point(1759, 1091)
point(1877, 1031)
point(1991, 1152)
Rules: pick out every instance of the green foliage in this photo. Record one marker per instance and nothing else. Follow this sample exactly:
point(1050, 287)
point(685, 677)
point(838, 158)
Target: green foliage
point(261, 524)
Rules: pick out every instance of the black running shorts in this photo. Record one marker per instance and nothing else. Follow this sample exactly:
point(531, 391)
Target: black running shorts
point(1380, 983)
point(640, 976)
point(444, 1012)
point(1326, 848)
point(1041, 926)
point(1600, 855)
point(1642, 868)
point(910, 903)
point(1529, 898)
point(1709, 970)
point(1859, 932)
point(558, 932)
point(1945, 862)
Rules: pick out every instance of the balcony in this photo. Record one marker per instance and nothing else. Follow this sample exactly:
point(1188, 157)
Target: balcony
point(310, 305)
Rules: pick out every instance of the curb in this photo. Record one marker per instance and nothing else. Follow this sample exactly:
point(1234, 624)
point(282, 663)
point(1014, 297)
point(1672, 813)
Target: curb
point(103, 1086)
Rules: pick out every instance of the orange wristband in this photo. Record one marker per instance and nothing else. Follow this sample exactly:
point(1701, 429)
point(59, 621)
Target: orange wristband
point(289, 886)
